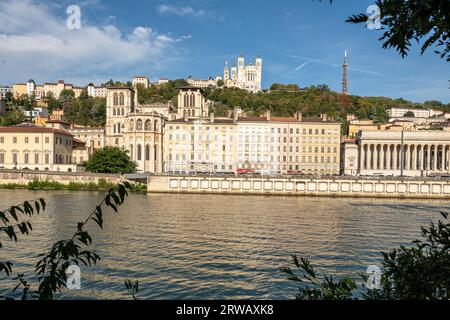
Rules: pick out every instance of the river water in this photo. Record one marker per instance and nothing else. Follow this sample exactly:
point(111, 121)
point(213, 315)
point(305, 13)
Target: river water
point(216, 246)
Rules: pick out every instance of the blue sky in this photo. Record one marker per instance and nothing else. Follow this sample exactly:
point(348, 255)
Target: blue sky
point(301, 42)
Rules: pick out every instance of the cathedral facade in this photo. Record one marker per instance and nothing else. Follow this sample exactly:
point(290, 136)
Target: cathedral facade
point(246, 77)
point(139, 129)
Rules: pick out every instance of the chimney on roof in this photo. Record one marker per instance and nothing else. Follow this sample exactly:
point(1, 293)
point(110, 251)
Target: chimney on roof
point(211, 117)
point(324, 116)
point(236, 114)
point(299, 116)
point(268, 115)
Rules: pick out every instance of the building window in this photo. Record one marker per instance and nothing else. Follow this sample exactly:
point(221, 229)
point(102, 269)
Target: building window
point(15, 159)
point(139, 125)
point(36, 158)
point(36, 140)
point(2, 140)
point(14, 139)
point(2, 158)
point(47, 140)
point(47, 159)
point(26, 158)
point(139, 152)
point(147, 152)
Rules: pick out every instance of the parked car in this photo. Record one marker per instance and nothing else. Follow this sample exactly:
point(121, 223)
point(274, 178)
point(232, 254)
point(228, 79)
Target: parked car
point(245, 171)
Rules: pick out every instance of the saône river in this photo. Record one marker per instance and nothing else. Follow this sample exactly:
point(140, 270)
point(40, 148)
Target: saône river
point(215, 246)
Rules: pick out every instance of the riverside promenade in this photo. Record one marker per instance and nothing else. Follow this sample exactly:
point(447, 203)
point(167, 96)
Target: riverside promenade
point(367, 187)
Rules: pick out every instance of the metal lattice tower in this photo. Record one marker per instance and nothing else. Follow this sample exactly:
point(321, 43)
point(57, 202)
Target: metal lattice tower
point(345, 75)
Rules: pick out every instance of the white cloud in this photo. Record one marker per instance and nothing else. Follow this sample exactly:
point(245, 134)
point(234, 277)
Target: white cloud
point(35, 43)
point(332, 64)
point(300, 67)
point(180, 11)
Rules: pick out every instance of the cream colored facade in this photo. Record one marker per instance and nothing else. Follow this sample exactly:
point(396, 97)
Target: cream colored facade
point(161, 138)
point(260, 144)
point(203, 83)
point(55, 89)
point(283, 145)
point(200, 145)
point(408, 153)
point(137, 129)
point(92, 138)
point(192, 103)
point(41, 91)
point(357, 126)
point(36, 148)
point(19, 89)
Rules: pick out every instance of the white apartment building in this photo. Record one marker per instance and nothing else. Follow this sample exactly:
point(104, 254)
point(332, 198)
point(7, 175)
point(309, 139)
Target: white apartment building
point(141, 80)
point(36, 112)
point(96, 92)
point(201, 83)
point(4, 90)
point(418, 113)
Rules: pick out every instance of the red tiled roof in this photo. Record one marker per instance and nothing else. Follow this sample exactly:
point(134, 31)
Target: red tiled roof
point(283, 119)
point(252, 119)
point(32, 129)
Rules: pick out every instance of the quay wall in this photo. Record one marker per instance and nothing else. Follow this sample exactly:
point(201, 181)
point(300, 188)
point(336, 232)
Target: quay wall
point(23, 177)
point(329, 187)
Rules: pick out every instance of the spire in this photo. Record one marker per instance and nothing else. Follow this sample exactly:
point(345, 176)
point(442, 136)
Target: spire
point(345, 74)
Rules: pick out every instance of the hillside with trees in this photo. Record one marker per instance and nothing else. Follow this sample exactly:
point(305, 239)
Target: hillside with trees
point(280, 99)
point(285, 100)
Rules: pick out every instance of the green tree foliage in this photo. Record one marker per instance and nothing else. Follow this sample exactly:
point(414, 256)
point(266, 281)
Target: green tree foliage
point(111, 160)
point(409, 114)
point(312, 101)
point(317, 287)
point(420, 271)
point(85, 111)
point(66, 94)
point(220, 83)
point(404, 22)
point(160, 93)
point(284, 87)
point(112, 83)
point(50, 271)
point(286, 100)
point(8, 97)
point(12, 118)
point(52, 103)
point(25, 101)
